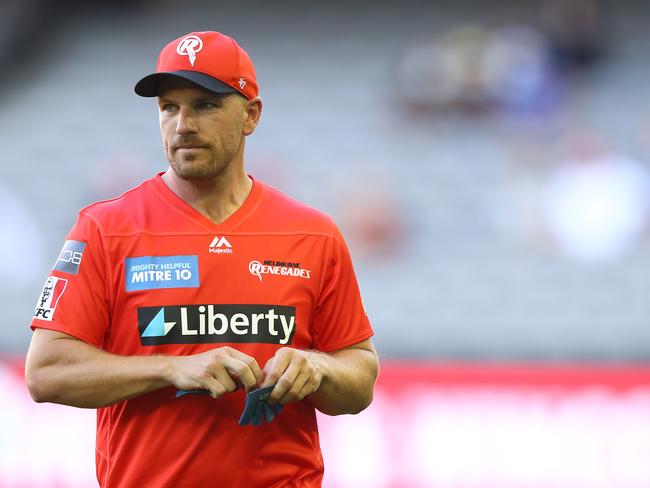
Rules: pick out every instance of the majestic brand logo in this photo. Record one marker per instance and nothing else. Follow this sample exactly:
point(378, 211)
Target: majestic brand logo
point(189, 46)
point(281, 268)
point(70, 257)
point(220, 245)
point(201, 324)
point(50, 296)
point(152, 272)
point(242, 83)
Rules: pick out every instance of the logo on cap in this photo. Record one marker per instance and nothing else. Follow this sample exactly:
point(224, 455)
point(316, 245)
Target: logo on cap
point(189, 46)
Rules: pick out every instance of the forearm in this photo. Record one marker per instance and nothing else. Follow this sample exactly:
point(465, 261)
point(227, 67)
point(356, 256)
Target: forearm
point(348, 381)
point(78, 374)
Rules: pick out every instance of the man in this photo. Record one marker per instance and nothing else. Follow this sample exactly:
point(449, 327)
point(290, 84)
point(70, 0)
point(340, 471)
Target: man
point(203, 278)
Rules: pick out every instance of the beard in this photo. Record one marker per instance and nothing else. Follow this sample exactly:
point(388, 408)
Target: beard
point(195, 168)
point(205, 164)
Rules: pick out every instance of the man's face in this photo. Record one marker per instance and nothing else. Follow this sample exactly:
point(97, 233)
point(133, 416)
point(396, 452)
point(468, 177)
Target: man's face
point(201, 131)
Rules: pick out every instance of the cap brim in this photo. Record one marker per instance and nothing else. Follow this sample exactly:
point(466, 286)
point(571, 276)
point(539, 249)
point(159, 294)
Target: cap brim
point(149, 86)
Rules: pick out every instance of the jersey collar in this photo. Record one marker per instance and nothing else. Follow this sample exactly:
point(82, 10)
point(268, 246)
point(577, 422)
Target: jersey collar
point(241, 214)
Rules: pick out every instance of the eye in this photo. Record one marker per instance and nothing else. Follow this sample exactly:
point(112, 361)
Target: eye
point(206, 106)
point(168, 107)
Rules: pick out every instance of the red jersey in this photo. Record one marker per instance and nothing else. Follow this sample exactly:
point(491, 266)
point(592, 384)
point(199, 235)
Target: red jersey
point(146, 274)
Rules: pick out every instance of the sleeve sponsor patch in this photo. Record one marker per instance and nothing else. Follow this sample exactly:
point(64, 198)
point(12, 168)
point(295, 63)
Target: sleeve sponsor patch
point(153, 272)
point(50, 296)
point(70, 257)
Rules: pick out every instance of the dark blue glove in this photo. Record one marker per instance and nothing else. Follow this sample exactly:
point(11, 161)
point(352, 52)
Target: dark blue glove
point(257, 410)
point(180, 393)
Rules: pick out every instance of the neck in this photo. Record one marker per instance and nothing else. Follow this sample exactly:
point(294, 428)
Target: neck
point(217, 198)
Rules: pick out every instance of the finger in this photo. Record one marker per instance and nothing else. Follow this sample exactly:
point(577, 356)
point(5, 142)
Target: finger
point(222, 376)
point(277, 366)
point(237, 369)
point(268, 365)
point(284, 383)
point(296, 388)
point(250, 362)
point(215, 388)
point(309, 388)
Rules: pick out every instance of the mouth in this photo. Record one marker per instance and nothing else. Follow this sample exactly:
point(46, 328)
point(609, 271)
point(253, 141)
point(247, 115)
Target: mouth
point(189, 147)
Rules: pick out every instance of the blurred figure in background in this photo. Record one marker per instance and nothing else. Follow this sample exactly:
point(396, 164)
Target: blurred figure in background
point(596, 201)
point(372, 216)
point(446, 72)
point(476, 70)
point(575, 31)
point(590, 203)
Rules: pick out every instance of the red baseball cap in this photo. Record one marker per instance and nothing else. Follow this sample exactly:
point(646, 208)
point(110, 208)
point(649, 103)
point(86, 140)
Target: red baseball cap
point(210, 59)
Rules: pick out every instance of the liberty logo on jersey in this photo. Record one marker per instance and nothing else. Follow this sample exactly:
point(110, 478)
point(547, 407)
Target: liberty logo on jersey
point(220, 245)
point(201, 324)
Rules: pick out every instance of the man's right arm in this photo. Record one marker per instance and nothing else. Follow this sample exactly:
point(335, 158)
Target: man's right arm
point(63, 369)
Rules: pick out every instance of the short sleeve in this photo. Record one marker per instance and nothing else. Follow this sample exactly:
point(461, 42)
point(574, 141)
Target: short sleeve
point(74, 298)
point(340, 319)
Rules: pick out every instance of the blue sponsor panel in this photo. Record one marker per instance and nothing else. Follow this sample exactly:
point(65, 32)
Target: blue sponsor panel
point(154, 272)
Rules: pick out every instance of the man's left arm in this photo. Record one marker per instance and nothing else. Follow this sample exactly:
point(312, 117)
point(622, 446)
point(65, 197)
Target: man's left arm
point(336, 383)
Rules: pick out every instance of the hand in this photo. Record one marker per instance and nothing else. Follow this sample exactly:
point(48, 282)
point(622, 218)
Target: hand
point(294, 372)
point(218, 371)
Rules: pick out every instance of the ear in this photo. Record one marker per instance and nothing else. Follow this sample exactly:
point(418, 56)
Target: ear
point(253, 111)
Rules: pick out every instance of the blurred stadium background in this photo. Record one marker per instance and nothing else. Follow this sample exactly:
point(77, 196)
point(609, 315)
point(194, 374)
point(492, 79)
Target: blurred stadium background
point(489, 163)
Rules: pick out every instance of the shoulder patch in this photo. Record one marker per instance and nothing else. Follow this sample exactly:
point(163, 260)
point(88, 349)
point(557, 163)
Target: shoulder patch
point(70, 257)
point(47, 301)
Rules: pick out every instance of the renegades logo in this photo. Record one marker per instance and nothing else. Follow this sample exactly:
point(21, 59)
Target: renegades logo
point(204, 324)
point(280, 268)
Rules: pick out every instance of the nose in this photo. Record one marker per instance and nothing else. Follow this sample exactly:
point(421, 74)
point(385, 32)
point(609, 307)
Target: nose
point(186, 123)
